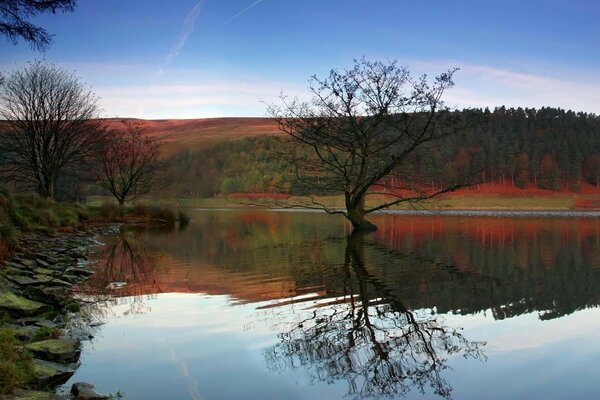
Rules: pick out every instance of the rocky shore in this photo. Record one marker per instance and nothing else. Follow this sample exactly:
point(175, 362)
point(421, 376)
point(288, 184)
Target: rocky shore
point(37, 305)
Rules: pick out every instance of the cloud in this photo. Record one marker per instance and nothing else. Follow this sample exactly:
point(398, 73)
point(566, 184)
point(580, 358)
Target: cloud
point(243, 11)
point(193, 93)
point(188, 28)
point(479, 85)
point(485, 86)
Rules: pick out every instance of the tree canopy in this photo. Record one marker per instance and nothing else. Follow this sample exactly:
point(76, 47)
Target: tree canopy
point(14, 24)
point(51, 127)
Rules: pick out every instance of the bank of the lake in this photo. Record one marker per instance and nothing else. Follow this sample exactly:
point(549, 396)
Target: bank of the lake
point(39, 339)
point(525, 201)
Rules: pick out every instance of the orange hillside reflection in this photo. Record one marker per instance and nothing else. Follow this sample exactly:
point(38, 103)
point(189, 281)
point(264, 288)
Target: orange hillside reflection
point(455, 264)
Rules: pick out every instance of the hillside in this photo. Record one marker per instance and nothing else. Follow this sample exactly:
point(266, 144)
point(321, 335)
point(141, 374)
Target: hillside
point(518, 153)
point(196, 134)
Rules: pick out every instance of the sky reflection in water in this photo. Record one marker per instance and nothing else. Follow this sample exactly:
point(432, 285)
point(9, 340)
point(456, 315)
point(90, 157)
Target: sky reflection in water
point(266, 305)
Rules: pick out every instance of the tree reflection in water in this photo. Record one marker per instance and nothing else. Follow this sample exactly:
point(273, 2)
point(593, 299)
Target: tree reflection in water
point(124, 260)
point(370, 339)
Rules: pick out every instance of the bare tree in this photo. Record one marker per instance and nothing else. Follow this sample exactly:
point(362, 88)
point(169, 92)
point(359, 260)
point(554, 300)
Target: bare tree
point(129, 163)
point(361, 132)
point(14, 24)
point(51, 125)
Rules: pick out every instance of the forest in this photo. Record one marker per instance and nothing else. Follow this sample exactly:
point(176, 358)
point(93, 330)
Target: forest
point(547, 148)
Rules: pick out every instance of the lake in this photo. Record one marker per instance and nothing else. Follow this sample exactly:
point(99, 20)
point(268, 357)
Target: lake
point(255, 304)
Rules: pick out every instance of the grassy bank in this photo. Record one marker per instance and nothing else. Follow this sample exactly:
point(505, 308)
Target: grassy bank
point(30, 213)
point(558, 202)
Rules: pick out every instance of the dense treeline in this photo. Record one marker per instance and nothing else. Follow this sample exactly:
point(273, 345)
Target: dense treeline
point(547, 148)
point(247, 165)
point(550, 148)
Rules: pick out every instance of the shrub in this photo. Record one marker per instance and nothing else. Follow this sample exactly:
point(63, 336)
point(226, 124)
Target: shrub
point(154, 212)
point(183, 218)
point(110, 210)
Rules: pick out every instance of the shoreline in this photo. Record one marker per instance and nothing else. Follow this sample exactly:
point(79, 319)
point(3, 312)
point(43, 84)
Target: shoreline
point(38, 306)
point(471, 212)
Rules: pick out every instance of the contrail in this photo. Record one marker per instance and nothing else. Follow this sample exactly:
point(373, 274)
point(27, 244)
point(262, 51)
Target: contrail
point(188, 28)
point(241, 12)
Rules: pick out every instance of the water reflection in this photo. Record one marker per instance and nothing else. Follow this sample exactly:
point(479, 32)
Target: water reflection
point(363, 310)
point(370, 339)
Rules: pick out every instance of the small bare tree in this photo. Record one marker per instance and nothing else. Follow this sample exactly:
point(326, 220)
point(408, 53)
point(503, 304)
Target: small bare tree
point(50, 125)
point(360, 134)
point(14, 24)
point(129, 163)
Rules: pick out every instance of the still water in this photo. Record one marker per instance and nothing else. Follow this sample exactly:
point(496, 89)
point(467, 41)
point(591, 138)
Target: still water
point(286, 305)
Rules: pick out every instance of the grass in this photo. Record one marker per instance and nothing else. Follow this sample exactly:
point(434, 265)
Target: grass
point(16, 366)
point(498, 202)
point(30, 213)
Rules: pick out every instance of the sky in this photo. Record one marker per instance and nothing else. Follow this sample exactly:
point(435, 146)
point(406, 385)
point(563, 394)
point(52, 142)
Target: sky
point(159, 59)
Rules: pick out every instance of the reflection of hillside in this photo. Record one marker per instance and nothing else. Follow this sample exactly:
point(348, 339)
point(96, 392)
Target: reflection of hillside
point(462, 265)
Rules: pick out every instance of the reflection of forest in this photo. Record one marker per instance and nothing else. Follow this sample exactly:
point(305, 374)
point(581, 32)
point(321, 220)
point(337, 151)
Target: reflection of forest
point(452, 264)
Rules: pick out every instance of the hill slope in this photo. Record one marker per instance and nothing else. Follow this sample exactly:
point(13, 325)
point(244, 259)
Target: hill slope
point(196, 134)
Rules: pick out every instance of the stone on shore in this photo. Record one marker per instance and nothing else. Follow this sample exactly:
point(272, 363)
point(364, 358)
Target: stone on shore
point(49, 373)
point(86, 391)
point(60, 350)
point(15, 304)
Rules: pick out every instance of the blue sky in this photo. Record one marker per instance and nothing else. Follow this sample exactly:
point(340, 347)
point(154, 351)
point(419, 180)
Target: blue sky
point(210, 58)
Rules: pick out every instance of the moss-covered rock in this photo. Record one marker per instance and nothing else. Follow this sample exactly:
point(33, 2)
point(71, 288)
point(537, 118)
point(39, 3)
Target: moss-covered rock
point(87, 391)
point(19, 305)
point(49, 373)
point(60, 350)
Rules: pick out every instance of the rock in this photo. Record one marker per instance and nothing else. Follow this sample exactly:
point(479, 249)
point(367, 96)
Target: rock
point(17, 265)
point(20, 394)
point(20, 305)
point(22, 332)
point(79, 271)
point(86, 391)
point(42, 262)
point(44, 271)
point(54, 295)
point(27, 263)
point(40, 322)
point(49, 373)
point(22, 280)
point(61, 350)
point(49, 281)
point(15, 271)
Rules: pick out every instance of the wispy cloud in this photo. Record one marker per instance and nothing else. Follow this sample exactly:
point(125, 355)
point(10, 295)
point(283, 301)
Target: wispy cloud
point(243, 11)
point(188, 28)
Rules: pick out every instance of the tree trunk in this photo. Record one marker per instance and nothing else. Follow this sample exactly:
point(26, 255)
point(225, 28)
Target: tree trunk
point(355, 207)
point(121, 207)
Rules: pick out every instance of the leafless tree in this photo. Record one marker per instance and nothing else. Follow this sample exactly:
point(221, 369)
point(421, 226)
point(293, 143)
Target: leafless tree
point(129, 163)
point(14, 24)
point(50, 125)
point(360, 134)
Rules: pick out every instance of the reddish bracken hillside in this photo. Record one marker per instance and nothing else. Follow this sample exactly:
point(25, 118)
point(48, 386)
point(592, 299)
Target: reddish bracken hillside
point(192, 134)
